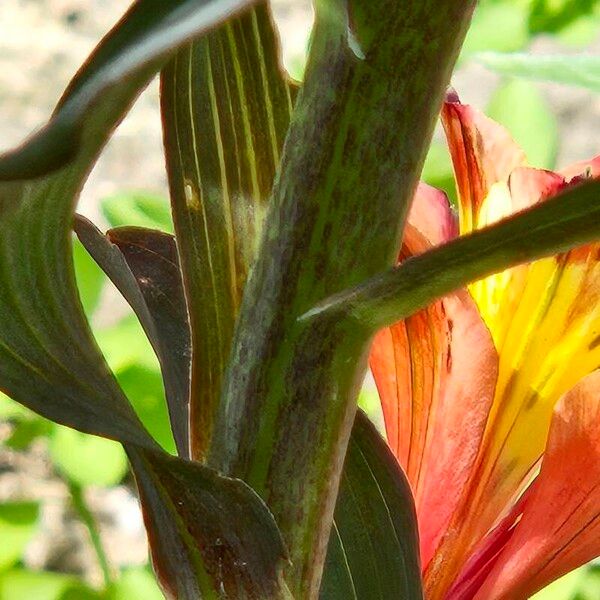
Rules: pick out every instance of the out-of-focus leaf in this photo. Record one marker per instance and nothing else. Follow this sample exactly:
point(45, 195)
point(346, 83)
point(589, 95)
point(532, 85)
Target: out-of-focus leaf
point(519, 106)
point(86, 459)
point(18, 524)
point(144, 265)
point(374, 546)
point(226, 108)
point(139, 210)
point(135, 583)
point(90, 279)
point(500, 26)
point(438, 171)
point(28, 430)
point(9, 409)
point(553, 15)
point(144, 388)
point(207, 532)
point(564, 588)
point(19, 584)
point(582, 70)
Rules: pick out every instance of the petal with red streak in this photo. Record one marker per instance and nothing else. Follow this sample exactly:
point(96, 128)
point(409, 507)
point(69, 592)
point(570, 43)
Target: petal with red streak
point(560, 527)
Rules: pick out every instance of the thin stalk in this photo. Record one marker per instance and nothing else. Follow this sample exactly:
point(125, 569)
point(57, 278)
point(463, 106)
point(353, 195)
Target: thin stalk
point(87, 518)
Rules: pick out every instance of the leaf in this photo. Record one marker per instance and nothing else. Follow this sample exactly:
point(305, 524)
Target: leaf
point(207, 532)
point(144, 265)
point(85, 459)
point(499, 26)
point(137, 209)
point(135, 583)
point(582, 70)
point(27, 430)
point(226, 108)
point(374, 546)
point(554, 15)
point(18, 584)
point(563, 222)
point(90, 279)
point(18, 524)
point(521, 108)
point(48, 360)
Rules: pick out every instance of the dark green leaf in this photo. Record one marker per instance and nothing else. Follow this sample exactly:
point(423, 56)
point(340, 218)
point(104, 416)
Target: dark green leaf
point(568, 220)
point(48, 360)
point(582, 70)
point(18, 524)
point(137, 209)
point(374, 546)
point(144, 266)
point(207, 532)
point(226, 109)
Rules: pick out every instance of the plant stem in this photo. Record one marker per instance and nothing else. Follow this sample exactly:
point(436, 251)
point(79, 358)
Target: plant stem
point(374, 84)
point(88, 519)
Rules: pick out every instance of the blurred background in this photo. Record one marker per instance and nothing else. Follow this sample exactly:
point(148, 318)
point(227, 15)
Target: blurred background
point(70, 527)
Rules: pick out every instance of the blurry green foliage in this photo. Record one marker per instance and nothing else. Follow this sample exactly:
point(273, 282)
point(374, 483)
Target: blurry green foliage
point(139, 209)
point(18, 523)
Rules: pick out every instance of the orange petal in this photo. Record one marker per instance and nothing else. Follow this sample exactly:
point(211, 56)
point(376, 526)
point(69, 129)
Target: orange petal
point(435, 373)
point(560, 527)
point(483, 154)
point(432, 215)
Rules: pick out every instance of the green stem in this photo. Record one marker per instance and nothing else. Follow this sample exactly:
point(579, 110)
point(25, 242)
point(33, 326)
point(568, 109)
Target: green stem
point(363, 121)
point(88, 519)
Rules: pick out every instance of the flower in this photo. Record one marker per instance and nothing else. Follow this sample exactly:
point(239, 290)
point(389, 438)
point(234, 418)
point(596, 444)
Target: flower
point(491, 396)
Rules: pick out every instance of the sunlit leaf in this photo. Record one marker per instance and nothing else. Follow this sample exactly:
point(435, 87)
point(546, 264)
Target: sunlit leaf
point(374, 547)
point(90, 279)
point(581, 70)
point(18, 524)
point(18, 584)
point(87, 459)
point(521, 108)
point(554, 15)
point(135, 583)
point(137, 209)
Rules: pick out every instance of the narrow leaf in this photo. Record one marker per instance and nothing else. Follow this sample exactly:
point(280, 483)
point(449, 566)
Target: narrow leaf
point(210, 536)
point(582, 70)
point(226, 108)
point(374, 546)
point(144, 266)
point(568, 220)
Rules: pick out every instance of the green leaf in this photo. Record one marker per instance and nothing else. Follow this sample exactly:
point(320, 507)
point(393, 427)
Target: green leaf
point(18, 584)
point(557, 225)
point(144, 388)
point(85, 459)
point(563, 588)
point(18, 524)
point(226, 109)
point(90, 279)
point(554, 15)
point(137, 209)
point(499, 26)
point(374, 546)
point(207, 532)
point(135, 583)
point(520, 107)
point(438, 171)
point(144, 265)
point(27, 430)
point(11, 410)
point(581, 70)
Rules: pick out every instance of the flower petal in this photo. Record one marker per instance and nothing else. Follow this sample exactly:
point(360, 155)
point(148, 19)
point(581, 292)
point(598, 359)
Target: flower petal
point(432, 215)
point(483, 154)
point(435, 373)
point(560, 527)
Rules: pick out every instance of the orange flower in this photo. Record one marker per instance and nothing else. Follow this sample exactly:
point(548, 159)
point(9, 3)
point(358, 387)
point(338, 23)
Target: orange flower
point(491, 396)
